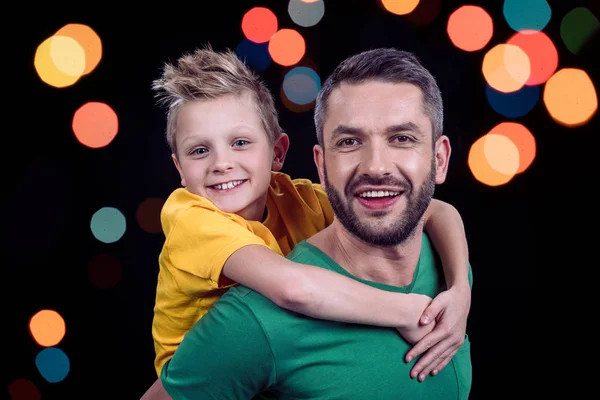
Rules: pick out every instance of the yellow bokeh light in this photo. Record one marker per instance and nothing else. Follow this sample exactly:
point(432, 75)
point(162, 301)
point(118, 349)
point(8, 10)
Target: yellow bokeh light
point(400, 7)
point(570, 97)
point(47, 328)
point(506, 68)
point(88, 40)
point(59, 61)
point(493, 159)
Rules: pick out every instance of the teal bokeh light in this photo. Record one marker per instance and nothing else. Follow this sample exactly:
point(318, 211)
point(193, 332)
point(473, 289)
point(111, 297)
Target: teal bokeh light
point(108, 224)
point(527, 14)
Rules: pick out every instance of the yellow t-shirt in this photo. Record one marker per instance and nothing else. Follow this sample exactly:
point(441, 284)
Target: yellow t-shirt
point(199, 238)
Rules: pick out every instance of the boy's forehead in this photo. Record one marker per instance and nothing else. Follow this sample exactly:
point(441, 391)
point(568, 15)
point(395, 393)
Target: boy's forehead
point(219, 116)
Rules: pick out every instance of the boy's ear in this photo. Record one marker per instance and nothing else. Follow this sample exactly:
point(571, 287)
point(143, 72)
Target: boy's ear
point(176, 162)
point(280, 149)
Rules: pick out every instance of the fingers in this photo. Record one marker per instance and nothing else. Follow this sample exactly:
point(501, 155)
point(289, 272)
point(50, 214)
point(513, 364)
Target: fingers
point(445, 359)
point(428, 341)
point(431, 312)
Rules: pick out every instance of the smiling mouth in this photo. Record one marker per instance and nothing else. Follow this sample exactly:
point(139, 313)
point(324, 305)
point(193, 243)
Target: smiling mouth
point(378, 199)
point(228, 185)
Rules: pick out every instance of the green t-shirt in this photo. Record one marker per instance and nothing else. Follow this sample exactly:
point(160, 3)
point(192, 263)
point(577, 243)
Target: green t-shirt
point(248, 347)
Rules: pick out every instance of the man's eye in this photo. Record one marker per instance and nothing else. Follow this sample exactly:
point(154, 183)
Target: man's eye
point(348, 142)
point(402, 139)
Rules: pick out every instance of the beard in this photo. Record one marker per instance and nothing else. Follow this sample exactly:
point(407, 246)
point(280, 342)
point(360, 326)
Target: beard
point(377, 234)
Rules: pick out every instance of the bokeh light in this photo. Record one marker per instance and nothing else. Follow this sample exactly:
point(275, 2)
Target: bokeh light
point(148, 214)
point(301, 85)
point(400, 7)
point(515, 104)
point(89, 41)
point(47, 328)
point(287, 47)
point(23, 389)
point(570, 97)
point(506, 68)
point(425, 13)
point(104, 271)
point(306, 14)
point(59, 61)
point(259, 24)
point(108, 224)
point(527, 14)
point(296, 108)
point(95, 124)
point(542, 54)
point(577, 27)
point(255, 55)
point(490, 153)
point(470, 28)
point(523, 140)
point(53, 364)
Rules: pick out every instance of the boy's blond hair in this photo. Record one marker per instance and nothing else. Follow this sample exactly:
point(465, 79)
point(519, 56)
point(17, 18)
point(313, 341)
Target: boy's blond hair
point(206, 74)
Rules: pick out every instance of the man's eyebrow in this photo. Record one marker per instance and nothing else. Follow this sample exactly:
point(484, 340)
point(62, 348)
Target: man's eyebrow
point(405, 127)
point(345, 130)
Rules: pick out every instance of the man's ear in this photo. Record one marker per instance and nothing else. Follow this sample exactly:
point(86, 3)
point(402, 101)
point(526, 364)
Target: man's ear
point(176, 162)
point(442, 157)
point(319, 155)
point(280, 149)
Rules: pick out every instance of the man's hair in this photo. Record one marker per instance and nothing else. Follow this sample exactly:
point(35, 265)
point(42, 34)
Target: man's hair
point(206, 74)
point(383, 65)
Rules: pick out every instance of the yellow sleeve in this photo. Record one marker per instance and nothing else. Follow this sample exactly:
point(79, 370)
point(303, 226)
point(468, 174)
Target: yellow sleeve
point(324, 202)
point(199, 243)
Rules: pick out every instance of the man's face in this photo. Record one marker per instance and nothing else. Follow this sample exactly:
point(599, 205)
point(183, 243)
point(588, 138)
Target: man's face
point(379, 166)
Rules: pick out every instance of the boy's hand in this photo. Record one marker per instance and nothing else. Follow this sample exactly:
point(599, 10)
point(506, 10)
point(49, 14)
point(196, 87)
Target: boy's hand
point(414, 330)
point(449, 310)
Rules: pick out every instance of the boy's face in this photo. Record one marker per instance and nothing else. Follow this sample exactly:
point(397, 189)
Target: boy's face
point(224, 154)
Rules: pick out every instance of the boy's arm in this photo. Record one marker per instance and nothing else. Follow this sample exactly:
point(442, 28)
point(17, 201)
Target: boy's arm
point(324, 294)
point(450, 309)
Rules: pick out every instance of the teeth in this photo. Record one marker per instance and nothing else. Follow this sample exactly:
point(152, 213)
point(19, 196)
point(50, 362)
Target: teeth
point(379, 193)
point(227, 185)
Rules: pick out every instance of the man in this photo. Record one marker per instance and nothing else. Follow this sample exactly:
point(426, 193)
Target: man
point(380, 153)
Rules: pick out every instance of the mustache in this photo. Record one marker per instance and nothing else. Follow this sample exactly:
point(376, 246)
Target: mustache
point(368, 180)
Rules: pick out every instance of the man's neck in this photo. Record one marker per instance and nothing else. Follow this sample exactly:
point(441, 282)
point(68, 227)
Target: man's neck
point(392, 265)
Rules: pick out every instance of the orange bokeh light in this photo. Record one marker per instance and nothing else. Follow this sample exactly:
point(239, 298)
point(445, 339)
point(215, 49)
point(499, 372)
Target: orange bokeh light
point(287, 47)
point(400, 7)
point(470, 28)
point(88, 40)
point(522, 138)
point(95, 124)
point(570, 97)
point(506, 68)
point(259, 24)
point(47, 328)
point(493, 159)
point(542, 54)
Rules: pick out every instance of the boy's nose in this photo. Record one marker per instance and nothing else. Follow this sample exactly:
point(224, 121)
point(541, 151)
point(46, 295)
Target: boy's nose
point(222, 163)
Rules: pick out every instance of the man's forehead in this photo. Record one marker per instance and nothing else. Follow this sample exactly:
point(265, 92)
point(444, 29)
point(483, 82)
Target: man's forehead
point(376, 103)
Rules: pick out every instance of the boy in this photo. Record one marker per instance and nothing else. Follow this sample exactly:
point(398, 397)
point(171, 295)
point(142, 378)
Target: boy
point(236, 216)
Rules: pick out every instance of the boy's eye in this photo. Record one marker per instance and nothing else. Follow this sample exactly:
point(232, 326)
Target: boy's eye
point(199, 151)
point(240, 143)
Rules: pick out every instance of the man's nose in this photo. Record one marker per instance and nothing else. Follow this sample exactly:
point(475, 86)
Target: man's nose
point(376, 160)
